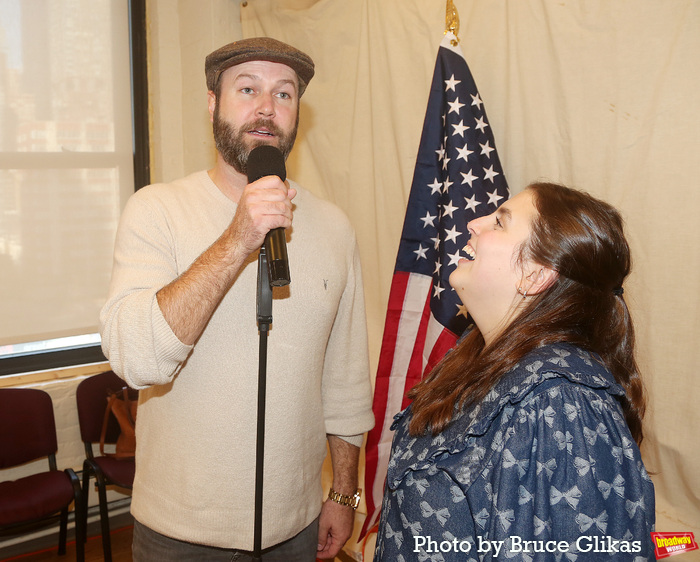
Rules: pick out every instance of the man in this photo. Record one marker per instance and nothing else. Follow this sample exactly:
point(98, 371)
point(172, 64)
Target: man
point(180, 323)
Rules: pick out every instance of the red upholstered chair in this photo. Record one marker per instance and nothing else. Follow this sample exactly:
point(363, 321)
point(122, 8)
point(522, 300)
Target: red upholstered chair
point(28, 433)
point(91, 396)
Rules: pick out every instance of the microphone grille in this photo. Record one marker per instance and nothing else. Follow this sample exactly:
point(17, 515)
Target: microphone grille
point(265, 160)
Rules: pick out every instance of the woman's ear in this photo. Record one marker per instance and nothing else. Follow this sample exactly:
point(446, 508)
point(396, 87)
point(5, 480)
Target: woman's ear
point(539, 279)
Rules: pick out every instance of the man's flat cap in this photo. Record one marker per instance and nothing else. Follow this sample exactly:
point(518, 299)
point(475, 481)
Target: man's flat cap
point(258, 48)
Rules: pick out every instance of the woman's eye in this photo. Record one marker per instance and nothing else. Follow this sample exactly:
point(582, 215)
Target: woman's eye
point(498, 223)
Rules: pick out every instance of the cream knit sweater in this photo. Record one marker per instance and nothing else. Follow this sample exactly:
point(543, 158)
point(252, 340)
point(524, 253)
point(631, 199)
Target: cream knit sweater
point(196, 430)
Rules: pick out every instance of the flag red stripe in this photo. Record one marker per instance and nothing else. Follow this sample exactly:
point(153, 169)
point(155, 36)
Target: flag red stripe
point(381, 388)
point(407, 318)
point(445, 341)
point(387, 353)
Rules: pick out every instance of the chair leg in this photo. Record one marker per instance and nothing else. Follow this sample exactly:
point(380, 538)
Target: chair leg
point(63, 532)
point(87, 471)
point(80, 517)
point(80, 533)
point(104, 515)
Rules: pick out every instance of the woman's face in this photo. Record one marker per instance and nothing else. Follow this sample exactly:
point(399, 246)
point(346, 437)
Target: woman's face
point(487, 282)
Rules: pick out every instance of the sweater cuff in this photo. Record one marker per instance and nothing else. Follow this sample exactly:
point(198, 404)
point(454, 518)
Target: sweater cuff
point(353, 439)
point(173, 351)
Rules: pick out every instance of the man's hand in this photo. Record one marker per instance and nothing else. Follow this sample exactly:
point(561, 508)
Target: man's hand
point(334, 528)
point(265, 204)
point(336, 521)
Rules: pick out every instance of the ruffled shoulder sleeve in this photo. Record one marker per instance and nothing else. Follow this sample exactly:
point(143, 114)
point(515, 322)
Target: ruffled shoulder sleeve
point(548, 363)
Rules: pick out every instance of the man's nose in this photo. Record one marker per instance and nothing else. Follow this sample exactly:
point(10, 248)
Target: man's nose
point(266, 106)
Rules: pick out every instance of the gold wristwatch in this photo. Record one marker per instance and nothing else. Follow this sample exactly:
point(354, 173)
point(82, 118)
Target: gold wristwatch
point(350, 501)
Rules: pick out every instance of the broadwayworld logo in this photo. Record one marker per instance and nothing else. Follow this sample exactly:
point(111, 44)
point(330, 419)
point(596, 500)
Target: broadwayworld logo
point(668, 544)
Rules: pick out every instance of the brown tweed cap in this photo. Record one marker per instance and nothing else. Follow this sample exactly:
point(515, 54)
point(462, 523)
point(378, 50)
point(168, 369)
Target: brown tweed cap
point(258, 48)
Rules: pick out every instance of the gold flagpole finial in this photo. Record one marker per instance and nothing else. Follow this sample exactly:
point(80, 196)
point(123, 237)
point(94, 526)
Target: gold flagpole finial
point(452, 22)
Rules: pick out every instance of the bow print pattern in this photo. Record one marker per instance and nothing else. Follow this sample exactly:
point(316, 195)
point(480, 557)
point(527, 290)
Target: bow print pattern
point(618, 486)
point(442, 515)
point(546, 457)
point(584, 522)
point(571, 496)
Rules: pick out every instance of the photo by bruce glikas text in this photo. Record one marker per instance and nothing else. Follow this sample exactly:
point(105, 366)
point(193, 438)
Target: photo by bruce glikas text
point(516, 545)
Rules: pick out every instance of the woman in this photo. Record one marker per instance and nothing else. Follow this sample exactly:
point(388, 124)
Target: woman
point(523, 442)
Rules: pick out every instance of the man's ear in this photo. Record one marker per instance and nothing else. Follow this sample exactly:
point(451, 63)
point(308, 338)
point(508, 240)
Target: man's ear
point(539, 279)
point(212, 105)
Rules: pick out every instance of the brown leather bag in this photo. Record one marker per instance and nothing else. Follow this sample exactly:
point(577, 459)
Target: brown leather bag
point(124, 410)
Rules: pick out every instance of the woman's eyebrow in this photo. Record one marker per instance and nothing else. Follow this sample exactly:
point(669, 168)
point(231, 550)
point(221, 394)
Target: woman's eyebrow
point(505, 213)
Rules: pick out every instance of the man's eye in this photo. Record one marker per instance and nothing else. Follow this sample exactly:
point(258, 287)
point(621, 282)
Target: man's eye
point(247, 90)
point(498, 223)
point(284, 95)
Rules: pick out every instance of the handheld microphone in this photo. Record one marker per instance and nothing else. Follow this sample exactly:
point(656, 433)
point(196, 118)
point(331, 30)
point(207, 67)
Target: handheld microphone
point(267, 160)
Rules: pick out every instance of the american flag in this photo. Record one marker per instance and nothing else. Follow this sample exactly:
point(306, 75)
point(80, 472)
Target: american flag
point(457, 178)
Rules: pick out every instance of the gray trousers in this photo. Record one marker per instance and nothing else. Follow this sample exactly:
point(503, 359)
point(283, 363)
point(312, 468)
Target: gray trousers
point(149, 546)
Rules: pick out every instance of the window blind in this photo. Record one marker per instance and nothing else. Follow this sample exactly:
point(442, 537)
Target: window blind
point(66, 165)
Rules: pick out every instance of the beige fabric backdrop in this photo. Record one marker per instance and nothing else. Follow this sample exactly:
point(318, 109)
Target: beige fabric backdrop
point(600, 95)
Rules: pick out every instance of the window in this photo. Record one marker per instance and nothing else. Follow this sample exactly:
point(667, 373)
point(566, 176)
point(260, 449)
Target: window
point(73, 147)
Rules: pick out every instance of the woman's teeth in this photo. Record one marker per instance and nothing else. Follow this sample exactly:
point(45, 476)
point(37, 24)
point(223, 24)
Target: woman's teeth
point(471, 254)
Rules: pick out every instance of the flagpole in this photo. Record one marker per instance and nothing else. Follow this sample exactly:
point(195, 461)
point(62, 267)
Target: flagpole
point(452, 22)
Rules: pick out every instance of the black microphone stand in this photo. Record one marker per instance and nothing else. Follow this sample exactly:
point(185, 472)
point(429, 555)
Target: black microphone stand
point(264, 312)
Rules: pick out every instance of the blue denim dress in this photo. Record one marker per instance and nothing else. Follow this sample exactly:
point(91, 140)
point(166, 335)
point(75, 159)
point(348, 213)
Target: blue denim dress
point(544, 468)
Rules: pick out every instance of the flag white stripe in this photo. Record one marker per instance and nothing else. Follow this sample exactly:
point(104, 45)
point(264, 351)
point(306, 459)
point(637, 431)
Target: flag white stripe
point(417, 290)
point(435, 329)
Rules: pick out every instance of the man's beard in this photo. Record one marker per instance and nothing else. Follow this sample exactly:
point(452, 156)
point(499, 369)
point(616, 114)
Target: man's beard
point(231, 144)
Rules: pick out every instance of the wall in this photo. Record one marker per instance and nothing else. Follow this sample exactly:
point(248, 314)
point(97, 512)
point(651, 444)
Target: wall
point(181, 34)
point(179, 40)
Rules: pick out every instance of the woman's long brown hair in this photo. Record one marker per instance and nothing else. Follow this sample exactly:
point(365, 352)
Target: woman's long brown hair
point(582, 239)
